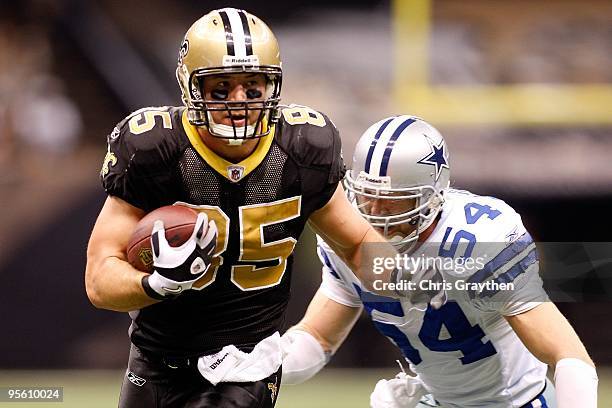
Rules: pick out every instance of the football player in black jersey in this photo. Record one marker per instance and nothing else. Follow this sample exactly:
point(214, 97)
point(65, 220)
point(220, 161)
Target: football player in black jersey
point(205, 324)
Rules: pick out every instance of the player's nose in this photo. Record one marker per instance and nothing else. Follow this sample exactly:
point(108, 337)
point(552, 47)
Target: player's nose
point(238, 94)
point(378, 207)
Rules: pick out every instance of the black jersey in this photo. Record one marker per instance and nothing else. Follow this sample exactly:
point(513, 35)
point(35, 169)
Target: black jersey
point(260, 205)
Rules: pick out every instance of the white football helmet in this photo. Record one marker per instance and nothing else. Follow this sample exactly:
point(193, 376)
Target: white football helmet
point(400, 171)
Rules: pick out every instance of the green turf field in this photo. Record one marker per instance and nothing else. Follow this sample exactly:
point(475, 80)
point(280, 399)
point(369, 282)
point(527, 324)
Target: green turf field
point(330, 389)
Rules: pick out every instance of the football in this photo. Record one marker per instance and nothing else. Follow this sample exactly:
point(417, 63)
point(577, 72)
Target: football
point(179, 222)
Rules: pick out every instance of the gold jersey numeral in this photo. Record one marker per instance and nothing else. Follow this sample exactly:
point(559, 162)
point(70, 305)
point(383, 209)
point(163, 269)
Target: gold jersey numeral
point(299, 115)
point(253, 248)
point(144, 120)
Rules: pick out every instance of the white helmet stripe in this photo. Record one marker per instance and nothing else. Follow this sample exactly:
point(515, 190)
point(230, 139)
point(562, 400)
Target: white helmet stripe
point(373, 144)
point(237, 32)
point(247, 32)
point(229, 35)
point(398, 132)
point(388, 136)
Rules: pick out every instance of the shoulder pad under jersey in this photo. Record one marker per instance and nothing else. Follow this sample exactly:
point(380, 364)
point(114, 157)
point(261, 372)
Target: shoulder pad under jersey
point(310, 138)
point(141, 153)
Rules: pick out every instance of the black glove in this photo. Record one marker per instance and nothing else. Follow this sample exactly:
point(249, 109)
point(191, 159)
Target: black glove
point(177, 268)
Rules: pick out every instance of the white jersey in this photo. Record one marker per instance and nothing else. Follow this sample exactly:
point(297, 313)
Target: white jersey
point(466, 353)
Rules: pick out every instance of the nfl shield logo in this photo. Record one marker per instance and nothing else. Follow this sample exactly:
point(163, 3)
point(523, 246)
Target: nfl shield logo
point(235, 173)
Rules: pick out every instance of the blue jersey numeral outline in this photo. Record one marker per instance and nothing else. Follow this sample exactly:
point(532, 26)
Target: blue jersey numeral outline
point(464, 336)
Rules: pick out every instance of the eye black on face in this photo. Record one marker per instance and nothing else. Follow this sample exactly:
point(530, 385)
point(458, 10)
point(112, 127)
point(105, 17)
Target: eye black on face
point(219, 94)
point(253, 93)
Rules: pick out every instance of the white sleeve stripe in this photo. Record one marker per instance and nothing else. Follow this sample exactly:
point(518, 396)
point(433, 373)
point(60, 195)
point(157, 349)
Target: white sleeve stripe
point(512, 251)
point(343, 300)
point(327, 262)
point(520, 267)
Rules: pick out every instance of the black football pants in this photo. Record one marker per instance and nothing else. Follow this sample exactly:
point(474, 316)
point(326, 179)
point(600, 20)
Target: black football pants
point(150, 383)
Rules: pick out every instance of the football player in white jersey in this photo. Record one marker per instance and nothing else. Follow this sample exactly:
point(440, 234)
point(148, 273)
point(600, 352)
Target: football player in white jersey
point(485, 332)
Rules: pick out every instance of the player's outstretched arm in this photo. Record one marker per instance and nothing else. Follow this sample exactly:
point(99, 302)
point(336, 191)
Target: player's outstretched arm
point(354, 240)
point(308, 345)
point(111, 282)
point(550, 337)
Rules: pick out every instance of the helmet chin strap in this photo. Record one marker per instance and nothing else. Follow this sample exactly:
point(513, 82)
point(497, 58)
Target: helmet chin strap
point(396, 238)
point(228, 131)
point(235, 142)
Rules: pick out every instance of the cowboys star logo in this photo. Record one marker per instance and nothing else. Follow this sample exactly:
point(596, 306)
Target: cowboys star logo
point(437, 158)
point(235, 173)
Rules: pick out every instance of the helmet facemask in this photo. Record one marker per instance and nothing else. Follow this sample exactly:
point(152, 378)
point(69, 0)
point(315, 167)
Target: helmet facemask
point(386, 207)
point(199, 110)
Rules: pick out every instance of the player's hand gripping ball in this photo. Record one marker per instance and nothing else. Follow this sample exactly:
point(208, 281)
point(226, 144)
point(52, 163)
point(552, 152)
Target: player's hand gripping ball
point(179, 223)
point(175, 244)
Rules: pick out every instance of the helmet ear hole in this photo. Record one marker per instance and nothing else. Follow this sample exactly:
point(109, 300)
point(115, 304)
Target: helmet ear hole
point(435, 202)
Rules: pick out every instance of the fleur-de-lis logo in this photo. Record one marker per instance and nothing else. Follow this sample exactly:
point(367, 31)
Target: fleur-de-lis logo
point(273, 390)
point(109, 160)
point(183, 50)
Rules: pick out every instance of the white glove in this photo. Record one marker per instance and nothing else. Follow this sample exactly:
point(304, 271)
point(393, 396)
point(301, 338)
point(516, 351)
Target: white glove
point(177, 268)
point(403, 391)
point(418, 298)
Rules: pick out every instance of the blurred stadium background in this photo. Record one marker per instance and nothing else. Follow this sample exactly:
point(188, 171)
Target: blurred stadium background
point(522, 91)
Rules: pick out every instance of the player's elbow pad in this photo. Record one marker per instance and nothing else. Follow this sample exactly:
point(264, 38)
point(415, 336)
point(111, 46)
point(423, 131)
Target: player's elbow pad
point(303, 356)
point(575, 384)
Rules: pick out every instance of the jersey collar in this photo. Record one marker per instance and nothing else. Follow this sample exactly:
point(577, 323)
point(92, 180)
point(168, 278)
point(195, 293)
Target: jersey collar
point(234, 172)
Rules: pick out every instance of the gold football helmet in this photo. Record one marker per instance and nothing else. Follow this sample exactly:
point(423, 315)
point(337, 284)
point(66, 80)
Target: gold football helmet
point(229, 41)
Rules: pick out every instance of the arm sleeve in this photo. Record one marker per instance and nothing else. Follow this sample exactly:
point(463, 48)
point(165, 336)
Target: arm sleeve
point(575, 384)
point(332, 284)
point(517, 267)
point(303, 356)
